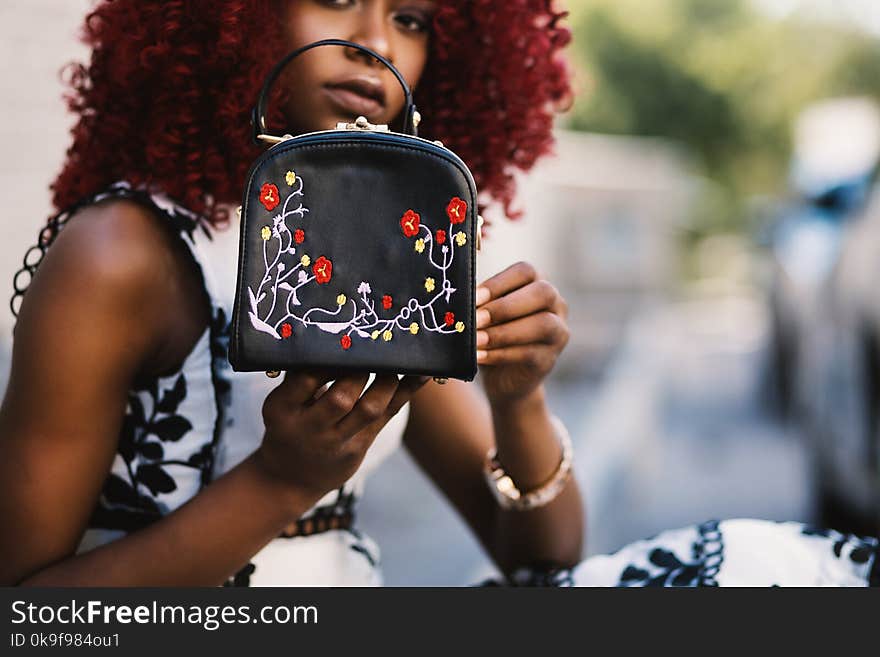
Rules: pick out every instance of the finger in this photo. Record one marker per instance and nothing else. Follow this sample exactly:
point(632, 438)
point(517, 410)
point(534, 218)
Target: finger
point(561, 308)
point(298, 387)
point(340, 398)
point(505, 282)
point(536, 296)
point(371, 406)
point(537, 356)
point(543, 327)
point(408, 386)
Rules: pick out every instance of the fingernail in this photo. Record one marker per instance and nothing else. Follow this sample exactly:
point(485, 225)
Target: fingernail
point(483, 295)
point(482, 338)
point(481, 354)
point(482, 318)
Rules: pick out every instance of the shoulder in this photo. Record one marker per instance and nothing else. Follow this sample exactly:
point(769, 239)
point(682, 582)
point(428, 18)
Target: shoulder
point(119, 241)
point(120, 266)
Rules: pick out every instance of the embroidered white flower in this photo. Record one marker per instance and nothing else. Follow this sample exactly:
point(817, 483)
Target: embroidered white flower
point(364, 288)
point(303, 277)
point(445, 249)
point(280, 267)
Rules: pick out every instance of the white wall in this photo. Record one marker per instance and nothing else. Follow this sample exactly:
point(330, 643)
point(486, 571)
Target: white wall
point(37, 37)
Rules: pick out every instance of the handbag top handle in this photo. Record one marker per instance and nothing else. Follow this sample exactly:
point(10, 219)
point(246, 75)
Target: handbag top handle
point(258, 114)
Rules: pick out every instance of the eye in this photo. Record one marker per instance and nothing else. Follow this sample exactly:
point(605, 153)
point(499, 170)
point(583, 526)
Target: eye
point(338, 4)
point(413, 21)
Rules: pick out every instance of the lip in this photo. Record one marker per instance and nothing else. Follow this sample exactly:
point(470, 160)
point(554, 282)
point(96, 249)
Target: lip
point(357, 95)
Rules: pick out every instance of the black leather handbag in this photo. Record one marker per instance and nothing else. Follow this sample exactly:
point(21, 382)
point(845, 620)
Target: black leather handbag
point(357, 250)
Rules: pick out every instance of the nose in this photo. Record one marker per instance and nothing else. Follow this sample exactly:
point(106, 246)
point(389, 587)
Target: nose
point(371, 31)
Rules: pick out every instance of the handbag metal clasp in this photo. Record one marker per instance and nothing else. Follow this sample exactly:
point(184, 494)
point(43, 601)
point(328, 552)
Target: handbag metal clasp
point(361, 123)
point(272, 140)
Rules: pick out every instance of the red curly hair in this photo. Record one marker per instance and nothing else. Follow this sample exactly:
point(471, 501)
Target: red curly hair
point(166, 98)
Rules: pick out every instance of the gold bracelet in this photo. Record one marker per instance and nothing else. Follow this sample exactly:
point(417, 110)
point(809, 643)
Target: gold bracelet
point(509, 497)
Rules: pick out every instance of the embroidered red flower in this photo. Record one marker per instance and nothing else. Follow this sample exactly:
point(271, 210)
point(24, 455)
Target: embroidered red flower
point(323, 270)
point(449, 319)
point(345, 341)
point(410, 223)
point(286, 330)
point(386, 302)
point(440, 236)
point(457, 210)
point(299, 235)
point(269, 196)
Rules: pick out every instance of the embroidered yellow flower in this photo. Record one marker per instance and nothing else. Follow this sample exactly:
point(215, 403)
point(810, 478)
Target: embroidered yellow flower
point(340, 300)
point(459, 326)
point(420, 245)
point(387, 335)
point(460, 238)
point(414, 328)
point(305, 261)
point(290, 177)
point(429, 284)
point(266, 233)
point(374, 334)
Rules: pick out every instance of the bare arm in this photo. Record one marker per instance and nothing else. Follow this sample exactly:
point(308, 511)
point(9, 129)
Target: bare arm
point(521, 330)
point(99, 312)
point(200, 544)
point(452, 427)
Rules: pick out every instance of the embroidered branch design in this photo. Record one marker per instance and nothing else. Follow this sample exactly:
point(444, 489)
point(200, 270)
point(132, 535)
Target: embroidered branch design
point(275, 306)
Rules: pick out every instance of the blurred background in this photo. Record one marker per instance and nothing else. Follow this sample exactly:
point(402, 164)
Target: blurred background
point(711, 215)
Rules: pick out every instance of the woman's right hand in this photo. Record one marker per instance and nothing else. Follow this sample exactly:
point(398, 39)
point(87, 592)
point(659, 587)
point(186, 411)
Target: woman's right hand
point(316, 445)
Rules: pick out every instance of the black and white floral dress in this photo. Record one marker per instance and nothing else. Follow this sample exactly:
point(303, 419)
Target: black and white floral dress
point(183, 430)
point(740, 552)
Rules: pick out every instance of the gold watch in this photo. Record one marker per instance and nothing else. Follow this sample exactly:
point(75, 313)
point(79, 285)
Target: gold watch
point(509, 497)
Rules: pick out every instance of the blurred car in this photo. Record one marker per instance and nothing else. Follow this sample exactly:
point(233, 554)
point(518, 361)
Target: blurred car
point(836, 151)
point(842, 417)
point(805, 242)
point(824, 296)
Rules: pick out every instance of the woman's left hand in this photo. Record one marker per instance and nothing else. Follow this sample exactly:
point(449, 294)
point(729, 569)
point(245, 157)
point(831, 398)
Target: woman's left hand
point(521, 330)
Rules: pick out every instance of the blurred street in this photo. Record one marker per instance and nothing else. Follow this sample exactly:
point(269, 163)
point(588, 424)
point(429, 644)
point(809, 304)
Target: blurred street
point(673, 433)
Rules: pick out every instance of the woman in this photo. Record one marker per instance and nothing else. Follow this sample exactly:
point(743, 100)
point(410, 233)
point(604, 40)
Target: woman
point(112, 479)
point(113, 426)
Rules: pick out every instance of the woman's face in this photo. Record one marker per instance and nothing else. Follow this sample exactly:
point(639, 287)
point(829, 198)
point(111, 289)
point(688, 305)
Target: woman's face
point(332, 83)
